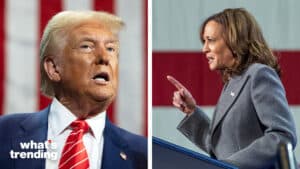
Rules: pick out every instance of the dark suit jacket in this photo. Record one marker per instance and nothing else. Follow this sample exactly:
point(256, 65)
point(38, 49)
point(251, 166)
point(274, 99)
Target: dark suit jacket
point(251, 118)
point(18, 128)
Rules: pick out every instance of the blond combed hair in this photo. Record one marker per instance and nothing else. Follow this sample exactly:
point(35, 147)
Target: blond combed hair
point(55, 32)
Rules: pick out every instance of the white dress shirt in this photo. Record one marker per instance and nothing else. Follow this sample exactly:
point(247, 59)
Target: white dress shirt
point(59, 120)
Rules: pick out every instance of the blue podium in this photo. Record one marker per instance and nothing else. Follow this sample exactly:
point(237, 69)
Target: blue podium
point(166, 155)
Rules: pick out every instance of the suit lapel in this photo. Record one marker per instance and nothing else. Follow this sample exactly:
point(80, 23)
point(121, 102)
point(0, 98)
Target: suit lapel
point(115, 153)
point(227, 99)
point(34, 128)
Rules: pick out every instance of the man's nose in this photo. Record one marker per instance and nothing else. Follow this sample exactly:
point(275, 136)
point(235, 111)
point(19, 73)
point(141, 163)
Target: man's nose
point(102, 55)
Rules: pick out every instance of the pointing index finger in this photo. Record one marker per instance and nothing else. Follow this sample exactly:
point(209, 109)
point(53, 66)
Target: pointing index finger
point(175, 82)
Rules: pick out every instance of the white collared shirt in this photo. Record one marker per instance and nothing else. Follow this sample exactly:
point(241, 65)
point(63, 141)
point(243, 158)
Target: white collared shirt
point(59, 120)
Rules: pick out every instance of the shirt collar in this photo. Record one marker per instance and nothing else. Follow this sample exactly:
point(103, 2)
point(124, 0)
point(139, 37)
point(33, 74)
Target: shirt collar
point(60, 118)
point(97, 124)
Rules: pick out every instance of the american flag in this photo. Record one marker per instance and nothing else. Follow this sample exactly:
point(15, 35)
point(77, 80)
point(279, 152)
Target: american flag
point(21, 27)
point(177, 52)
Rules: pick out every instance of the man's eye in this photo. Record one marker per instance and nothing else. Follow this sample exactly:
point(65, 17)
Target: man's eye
point(86, 48)
point(111, 49)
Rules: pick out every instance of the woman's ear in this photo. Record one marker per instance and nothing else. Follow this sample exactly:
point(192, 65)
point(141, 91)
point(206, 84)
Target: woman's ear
point(51, 68)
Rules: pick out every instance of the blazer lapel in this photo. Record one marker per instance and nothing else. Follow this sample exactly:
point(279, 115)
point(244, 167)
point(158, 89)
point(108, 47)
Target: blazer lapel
point(227, 99)
point(34, 128)
point(115, 153)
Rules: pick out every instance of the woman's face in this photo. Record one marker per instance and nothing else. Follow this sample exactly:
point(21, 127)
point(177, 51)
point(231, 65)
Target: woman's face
point(214, 47)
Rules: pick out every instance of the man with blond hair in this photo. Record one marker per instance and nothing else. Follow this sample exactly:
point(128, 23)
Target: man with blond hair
point(79, 55)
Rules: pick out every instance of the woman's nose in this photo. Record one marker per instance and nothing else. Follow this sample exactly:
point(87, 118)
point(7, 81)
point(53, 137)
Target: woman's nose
point(205, 48)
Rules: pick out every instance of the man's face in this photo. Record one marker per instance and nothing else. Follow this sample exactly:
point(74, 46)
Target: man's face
point(89, 63)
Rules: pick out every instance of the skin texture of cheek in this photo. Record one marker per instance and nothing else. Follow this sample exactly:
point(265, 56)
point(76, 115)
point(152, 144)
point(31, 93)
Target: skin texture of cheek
point(224, 58)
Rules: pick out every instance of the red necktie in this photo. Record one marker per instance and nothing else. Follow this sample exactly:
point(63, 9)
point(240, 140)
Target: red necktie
point(74, 155)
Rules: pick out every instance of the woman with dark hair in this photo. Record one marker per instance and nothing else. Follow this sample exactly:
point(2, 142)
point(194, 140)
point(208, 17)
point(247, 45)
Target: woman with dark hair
point(252, 115)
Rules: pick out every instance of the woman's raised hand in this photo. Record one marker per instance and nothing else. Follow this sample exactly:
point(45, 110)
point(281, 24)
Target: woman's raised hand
point(182, 98)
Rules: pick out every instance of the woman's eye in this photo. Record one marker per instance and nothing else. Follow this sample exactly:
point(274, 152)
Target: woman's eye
point(210, 40)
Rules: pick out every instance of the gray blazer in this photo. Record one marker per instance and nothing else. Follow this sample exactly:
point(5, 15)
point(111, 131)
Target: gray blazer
point(252, 116)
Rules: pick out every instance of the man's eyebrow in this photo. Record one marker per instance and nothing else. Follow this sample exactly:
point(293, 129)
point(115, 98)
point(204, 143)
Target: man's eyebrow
point(87, 39)
point(112, 41)
point(91, 39)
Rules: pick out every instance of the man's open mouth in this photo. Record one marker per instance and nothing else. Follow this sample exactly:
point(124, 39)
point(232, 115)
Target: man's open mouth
point(102, 77)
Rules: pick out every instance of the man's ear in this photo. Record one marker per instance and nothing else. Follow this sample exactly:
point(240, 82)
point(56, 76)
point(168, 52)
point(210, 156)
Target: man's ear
point(51, 68)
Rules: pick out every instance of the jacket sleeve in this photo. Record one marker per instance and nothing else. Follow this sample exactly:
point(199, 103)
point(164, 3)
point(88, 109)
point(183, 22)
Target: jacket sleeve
point(196, 128)
point(269, 100)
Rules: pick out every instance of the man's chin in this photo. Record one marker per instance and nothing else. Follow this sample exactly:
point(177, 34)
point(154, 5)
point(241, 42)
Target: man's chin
point(108, 98)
